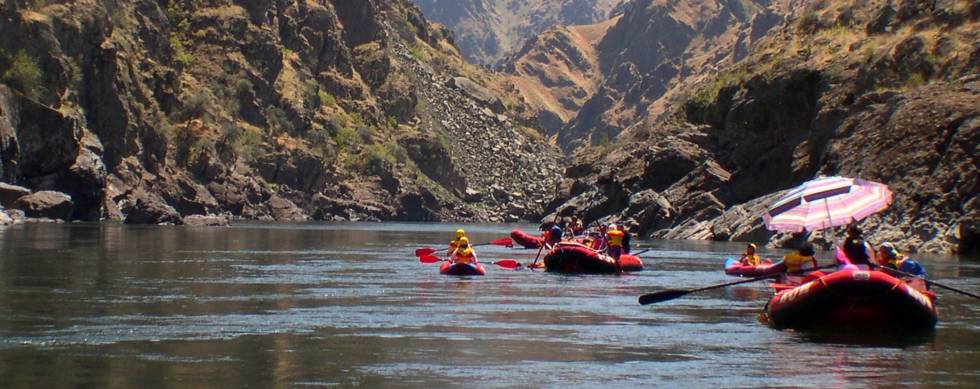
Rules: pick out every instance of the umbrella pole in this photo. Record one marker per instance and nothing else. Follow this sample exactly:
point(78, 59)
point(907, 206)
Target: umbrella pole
point(830, 223)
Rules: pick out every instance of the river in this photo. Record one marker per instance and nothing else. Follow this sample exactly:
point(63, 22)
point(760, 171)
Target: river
point(341, 305)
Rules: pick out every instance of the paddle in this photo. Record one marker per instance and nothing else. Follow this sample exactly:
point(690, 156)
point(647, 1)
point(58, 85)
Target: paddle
point(535, 263)
point(506, 242)
point(671, 294)
point(637, 254)
point(504, 263)
point(931, 282)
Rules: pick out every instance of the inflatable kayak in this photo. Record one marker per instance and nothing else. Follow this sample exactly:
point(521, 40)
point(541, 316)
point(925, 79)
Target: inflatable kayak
point(462, 269)
point(569, 257)
point(735, 268)
point(527, 240)
point(854, 299)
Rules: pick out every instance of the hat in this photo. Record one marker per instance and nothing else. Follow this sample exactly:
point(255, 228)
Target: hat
point(752, 245)
point(889, 250)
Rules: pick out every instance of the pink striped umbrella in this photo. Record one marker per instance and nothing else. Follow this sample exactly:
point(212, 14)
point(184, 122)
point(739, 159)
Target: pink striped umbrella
point(826, 202)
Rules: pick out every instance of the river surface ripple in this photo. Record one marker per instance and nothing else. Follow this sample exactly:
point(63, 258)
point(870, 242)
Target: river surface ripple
point(339, 305)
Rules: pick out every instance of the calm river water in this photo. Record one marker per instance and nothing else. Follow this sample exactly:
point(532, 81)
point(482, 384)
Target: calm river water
point(349, 305)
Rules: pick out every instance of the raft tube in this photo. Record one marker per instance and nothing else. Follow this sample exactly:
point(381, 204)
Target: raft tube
point(569, 257)
point(735, 268)
point(854, 299)
point(527, 240)
point(462, 269)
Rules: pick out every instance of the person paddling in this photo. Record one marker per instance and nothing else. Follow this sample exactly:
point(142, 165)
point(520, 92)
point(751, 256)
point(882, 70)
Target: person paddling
point(890, 259)
point(795, 262)
point(553, 235)
point(460, 234)
point(749, 257)
point(464, 253)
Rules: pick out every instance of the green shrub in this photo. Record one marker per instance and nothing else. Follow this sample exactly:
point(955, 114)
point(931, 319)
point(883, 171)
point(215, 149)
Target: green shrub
point(327, 98)
point(23, 73)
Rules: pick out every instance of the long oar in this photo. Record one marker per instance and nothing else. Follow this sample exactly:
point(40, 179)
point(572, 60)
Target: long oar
point(506, 242)
point(504, 263)
point(931, 282)
point(543, 243)
point(637, 254)
point(671, 294)
point(424, 251)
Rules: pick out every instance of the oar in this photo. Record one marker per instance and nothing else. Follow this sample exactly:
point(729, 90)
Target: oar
point(671, 294)
point(506, 242)
point(424, 251)
point(637, 254)
point(504, 263)
point(931, 282)
point(543, 243)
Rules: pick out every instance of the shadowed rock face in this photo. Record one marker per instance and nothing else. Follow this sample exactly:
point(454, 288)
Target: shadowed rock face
point(489, 30)
point(840, 88)
point(148, 111)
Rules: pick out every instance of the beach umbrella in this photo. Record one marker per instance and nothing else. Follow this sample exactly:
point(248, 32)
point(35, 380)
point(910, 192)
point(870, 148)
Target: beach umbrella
point(827, 202)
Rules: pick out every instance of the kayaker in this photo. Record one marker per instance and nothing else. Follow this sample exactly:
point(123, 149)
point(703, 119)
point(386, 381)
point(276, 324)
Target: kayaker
point(857, 250)
point(749, 257)
point(455, 242)
point(614, 239)
point(464, 253)
point(890, 258)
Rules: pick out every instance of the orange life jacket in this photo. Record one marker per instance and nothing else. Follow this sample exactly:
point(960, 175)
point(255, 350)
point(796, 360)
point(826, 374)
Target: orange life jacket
point(464, 255)
point(615, 238)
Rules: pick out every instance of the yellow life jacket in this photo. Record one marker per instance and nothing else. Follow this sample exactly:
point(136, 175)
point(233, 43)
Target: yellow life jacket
point(615, 238)
point(794, 261)
point(896, 262)
point(464, 255)
point(751, 260)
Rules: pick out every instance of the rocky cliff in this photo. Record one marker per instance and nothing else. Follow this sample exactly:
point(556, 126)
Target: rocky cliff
point(489, 30)
point(882, 90)
point(149, 111)
point(627, 68)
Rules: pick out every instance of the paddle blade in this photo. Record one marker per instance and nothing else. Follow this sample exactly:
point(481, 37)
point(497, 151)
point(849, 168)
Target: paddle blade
point(508, 264)
point(429, 259)
point(657, 297)
point(506, 242)
point(424, 251)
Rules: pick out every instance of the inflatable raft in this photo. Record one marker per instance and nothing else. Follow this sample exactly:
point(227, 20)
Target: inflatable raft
point(735, 268)
point(527, 240)
point(569, 257)
point(462, 269)
point(854, 299)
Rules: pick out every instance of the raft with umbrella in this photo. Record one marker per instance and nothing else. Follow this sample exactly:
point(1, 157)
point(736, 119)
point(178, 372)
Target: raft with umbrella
point(854, 299)
point(574, 258)
point(526, 240)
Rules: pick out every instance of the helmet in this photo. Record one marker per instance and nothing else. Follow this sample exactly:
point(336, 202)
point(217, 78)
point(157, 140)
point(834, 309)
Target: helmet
point(613, 227)
point(464, 241)
point(752, 245)
point(889, 250)
point(460, 233)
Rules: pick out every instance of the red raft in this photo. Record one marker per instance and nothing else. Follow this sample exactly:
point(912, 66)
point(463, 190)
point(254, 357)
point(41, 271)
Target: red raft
point(854, 299)
point(462, 269)
point(527, 240)
point(735, 268)
point(569, 257)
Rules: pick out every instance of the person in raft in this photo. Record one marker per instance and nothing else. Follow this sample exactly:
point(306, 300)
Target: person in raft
point(749, 257)
point(576, 225)
point(890, 259)
point(626, 238)
point(599, 244)
point(464, 253)
point(460, 234)
point(614, 239)
point(553, 235)
point(858, 251)
point(795, 260)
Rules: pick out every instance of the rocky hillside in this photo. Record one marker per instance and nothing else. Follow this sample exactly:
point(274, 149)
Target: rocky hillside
point(489, 30)
point(150, 111)
point(882, 90)
point(587, 84)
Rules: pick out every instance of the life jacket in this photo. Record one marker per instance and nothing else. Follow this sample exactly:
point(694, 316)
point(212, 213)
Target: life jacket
point(615, 238)
point(794, 261)
point(464, 255)
point(750, 260)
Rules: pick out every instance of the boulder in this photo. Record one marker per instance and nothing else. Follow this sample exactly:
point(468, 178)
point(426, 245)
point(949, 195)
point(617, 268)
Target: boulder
point(284, 210)
point(478, 93)
point(10, 193)
point(206, 221)
point(151, 210)
point(45, 204)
